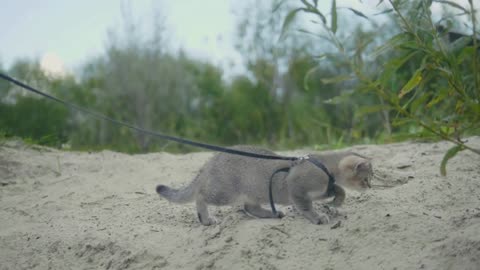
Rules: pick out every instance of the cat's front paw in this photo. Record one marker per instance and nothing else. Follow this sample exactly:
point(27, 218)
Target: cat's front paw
point(321, 219)
point(280, 214)
point(208, 221)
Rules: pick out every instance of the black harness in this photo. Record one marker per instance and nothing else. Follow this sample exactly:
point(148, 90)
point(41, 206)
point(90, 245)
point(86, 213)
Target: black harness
point(331, 179)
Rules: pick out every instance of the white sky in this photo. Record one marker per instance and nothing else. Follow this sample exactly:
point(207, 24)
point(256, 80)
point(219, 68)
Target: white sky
point(71, 32)
point(74, 31)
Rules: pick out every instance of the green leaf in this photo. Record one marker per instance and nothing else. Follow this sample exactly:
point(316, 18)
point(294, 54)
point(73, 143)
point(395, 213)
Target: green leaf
point(337, 79)
point(419, 101)
point(306, 3)
point(371, 109)
point(358, 13)
point(313, 9)
point(288, 20)
point(393, 42)
point(392, 66)
point(443, 93)
point(450, 154)
point(345, 96)
point(397, 63)
point(379, 2)
point(334, 16)
point(453, 4)
point(316, 11)
point(307, 32)
point(411, 45)
point(412, 83)
point(398, 122)
point(445, 71)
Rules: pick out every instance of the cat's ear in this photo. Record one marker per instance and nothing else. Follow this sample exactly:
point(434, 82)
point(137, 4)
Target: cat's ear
point(362, 166)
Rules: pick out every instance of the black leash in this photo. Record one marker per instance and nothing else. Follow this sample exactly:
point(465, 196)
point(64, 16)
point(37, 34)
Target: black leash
point(331, 179)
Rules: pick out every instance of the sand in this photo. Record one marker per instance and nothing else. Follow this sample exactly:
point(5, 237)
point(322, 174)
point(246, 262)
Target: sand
point(79, 210)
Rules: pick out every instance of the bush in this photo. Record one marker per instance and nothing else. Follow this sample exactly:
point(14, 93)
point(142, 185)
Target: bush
point(424, 87)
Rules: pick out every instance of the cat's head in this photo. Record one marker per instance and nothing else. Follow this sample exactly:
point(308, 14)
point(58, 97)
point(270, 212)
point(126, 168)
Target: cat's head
point(356, 172)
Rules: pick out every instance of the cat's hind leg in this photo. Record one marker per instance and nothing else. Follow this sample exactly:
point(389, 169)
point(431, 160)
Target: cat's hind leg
point(202, 212)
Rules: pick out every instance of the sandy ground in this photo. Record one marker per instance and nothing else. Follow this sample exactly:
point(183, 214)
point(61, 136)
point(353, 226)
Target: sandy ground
point(71, 210)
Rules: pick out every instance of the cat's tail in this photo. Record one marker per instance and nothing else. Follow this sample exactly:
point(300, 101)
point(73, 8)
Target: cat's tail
point(183, 195)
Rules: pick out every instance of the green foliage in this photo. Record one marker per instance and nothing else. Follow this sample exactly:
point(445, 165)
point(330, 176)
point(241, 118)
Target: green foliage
point(424, 86)
point(450, 154)
point(37, 119)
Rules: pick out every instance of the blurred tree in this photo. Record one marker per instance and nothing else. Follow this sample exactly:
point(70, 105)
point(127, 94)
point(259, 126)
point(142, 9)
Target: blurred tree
point(137, 82)
point(25, 114)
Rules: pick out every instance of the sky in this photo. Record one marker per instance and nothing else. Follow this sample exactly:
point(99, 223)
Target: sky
point(63, 35)
point(71, 32)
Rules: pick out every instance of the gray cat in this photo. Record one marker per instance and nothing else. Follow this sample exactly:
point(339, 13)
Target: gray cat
point(228, 179)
